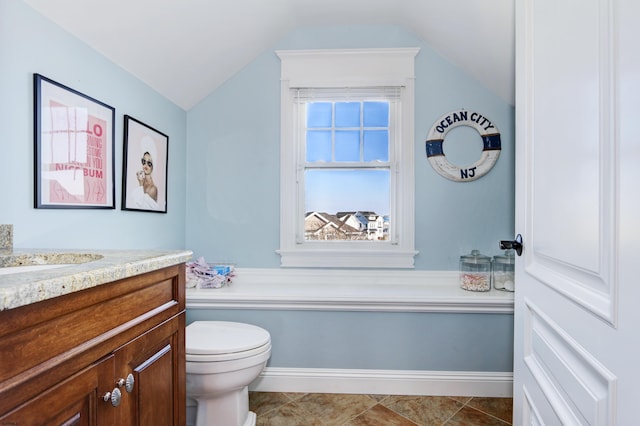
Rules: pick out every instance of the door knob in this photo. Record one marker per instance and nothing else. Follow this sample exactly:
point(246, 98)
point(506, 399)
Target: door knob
point(515, 244)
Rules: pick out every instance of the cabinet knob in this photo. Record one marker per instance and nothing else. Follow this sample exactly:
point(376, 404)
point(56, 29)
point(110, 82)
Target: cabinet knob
point(128, 384)
point(114, 397)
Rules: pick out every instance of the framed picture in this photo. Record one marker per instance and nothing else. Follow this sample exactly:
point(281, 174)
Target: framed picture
point(144, 175)
point(74, 148)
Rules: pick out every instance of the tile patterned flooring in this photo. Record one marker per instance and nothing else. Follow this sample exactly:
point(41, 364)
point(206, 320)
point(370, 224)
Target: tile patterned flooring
point(320, 409)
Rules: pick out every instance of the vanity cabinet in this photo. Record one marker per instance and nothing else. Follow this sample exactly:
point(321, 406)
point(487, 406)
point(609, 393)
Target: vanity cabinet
point(111, 354)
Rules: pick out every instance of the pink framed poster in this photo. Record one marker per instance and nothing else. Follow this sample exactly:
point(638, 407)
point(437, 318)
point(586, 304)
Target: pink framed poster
point(74, 148)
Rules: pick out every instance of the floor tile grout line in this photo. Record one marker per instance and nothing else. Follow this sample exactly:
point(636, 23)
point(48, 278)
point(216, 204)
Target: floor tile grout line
point(278, 406)
point(492, 416)
point(487, 413)
point(418, 423)
point(392, 410)
point(458, 410)
point(453, 415)
point(361, 413)
point(466, 404)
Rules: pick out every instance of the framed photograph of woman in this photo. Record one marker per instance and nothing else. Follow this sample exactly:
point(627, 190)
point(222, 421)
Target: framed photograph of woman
point(145, 166)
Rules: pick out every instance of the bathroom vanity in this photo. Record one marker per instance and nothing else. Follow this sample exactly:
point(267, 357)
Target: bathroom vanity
point(107, 348)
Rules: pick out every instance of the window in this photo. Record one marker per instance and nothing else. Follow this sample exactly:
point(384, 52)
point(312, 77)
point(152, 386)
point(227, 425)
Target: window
point(347, 158)
point(348, 161)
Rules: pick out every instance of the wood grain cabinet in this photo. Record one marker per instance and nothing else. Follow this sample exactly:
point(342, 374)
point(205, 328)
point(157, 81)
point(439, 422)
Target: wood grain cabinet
point(110, 355)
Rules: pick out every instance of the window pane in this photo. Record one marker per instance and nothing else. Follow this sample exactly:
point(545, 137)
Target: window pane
point(347, 145)
point(319, 114)
point(376, 145)
point(347, 114)
point(376, 114)
point(318, 145)
point(358, 199)
point(347, 204)
point(333, 191)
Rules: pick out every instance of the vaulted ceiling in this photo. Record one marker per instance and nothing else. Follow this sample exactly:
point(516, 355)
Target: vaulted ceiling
point(185, 49)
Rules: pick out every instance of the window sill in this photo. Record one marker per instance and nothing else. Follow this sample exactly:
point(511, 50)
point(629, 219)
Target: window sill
point(349, 290)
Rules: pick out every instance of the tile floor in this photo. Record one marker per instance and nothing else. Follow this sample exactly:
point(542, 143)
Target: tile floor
point(320, 409)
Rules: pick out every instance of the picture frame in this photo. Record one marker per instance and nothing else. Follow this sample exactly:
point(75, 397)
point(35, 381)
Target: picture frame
point(144, 167)
point(74, 138)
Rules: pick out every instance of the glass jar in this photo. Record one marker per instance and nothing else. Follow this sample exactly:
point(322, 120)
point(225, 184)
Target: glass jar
point(502, 275)
point(475, 272)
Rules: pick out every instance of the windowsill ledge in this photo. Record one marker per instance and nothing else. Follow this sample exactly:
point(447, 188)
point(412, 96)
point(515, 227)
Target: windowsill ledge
point(349, 290)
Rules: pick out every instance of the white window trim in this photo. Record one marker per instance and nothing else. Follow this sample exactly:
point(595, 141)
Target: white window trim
point(348, 68)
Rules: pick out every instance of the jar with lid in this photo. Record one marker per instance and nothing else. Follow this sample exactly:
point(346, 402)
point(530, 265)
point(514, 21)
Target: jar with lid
point(475, 271)
point(502, 275)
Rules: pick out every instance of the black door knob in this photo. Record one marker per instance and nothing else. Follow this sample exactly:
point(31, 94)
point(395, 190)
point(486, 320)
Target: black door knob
point(515, 244)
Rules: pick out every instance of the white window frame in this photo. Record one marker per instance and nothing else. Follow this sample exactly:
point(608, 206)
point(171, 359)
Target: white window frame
point(347, 68)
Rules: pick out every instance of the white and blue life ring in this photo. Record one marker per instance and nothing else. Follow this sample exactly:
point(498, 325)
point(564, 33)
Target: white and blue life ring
point(490, 151)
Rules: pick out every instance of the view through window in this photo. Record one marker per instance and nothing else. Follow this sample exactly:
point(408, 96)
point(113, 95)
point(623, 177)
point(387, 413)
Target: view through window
point(347, 170)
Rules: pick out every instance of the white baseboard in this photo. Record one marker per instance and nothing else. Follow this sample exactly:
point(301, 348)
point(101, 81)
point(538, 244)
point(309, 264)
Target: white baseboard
point(385, 382)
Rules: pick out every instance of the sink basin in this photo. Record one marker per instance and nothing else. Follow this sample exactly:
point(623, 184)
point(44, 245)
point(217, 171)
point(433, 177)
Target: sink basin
point(33, 262)
point(30, 268)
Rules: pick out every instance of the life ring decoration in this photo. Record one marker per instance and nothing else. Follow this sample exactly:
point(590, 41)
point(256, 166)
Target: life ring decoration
point(490, 151)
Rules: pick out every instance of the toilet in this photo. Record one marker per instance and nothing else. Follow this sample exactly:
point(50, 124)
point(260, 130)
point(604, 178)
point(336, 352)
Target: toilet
point(223, 358)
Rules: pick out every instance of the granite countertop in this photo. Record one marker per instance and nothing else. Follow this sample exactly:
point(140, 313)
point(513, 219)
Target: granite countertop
point(99, 267)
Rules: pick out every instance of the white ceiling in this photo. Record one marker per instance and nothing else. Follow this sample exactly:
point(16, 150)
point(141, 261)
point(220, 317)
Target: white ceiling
point(185, 49)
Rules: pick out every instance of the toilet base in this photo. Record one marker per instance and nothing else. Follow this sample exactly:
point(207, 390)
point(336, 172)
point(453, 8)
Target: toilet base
point(231, 409)
point(191, 417)
point(251, 419)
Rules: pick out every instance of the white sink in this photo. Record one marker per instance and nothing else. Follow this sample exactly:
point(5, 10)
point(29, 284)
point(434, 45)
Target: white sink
point(31, 268)
point(35, 262)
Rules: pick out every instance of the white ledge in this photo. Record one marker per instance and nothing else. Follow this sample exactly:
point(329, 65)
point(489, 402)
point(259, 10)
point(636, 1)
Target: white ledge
point(349, 290)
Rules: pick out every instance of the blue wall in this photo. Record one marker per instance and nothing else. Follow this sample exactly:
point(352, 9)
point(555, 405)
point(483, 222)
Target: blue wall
point(223, 200)
point(382, 340)
point(31, 44)
point(233, 159)
point(233, 214)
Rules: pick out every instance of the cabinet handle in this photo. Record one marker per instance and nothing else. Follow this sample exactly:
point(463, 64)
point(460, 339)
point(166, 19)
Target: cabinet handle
point(128, 384)
point(114, 397)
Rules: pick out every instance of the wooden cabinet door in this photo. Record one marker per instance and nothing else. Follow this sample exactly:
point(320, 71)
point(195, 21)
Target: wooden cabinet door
point(155, 362)
point(77, 401)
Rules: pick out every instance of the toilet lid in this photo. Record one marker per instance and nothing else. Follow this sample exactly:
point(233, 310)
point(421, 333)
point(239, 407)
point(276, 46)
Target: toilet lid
point(222, 337)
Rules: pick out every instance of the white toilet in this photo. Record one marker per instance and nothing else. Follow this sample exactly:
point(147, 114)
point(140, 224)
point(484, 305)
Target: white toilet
point(223, 358)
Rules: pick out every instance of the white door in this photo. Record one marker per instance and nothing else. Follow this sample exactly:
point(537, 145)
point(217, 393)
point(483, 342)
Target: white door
point(577, 304)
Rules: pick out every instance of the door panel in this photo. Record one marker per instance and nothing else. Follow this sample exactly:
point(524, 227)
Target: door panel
point(572, 170)
point(154, 362)
point(155, 376)
point(75, 401)
point(566, 116)
point(579, 388)
point(577, 154)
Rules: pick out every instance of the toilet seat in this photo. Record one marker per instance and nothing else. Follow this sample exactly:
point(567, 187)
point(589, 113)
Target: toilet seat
point(212, 341)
